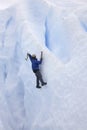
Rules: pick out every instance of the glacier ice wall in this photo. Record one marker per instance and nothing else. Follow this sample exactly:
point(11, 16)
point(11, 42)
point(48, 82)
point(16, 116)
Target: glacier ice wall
point(61, 33)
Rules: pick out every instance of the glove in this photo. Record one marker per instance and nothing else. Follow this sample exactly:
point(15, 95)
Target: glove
point(27, 56)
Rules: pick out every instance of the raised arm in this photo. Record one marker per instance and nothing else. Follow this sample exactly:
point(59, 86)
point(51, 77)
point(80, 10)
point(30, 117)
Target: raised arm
point(28, 56)
point(41, 58)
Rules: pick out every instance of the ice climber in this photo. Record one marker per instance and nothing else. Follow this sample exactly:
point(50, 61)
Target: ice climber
point(35, 67)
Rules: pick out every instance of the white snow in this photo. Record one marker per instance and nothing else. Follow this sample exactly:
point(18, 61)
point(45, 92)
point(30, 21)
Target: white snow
point(59, 29)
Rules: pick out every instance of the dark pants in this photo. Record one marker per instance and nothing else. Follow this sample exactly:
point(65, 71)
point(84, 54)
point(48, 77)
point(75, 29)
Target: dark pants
point(38, 77)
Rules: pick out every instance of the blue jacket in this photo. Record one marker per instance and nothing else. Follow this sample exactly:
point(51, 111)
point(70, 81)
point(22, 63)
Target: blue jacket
point(35, 62)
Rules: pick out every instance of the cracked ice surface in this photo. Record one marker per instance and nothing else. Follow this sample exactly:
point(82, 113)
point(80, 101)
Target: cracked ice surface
point(59, 29)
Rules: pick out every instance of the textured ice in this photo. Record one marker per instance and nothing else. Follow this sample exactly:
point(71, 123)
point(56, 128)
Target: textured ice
point(59, 29)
